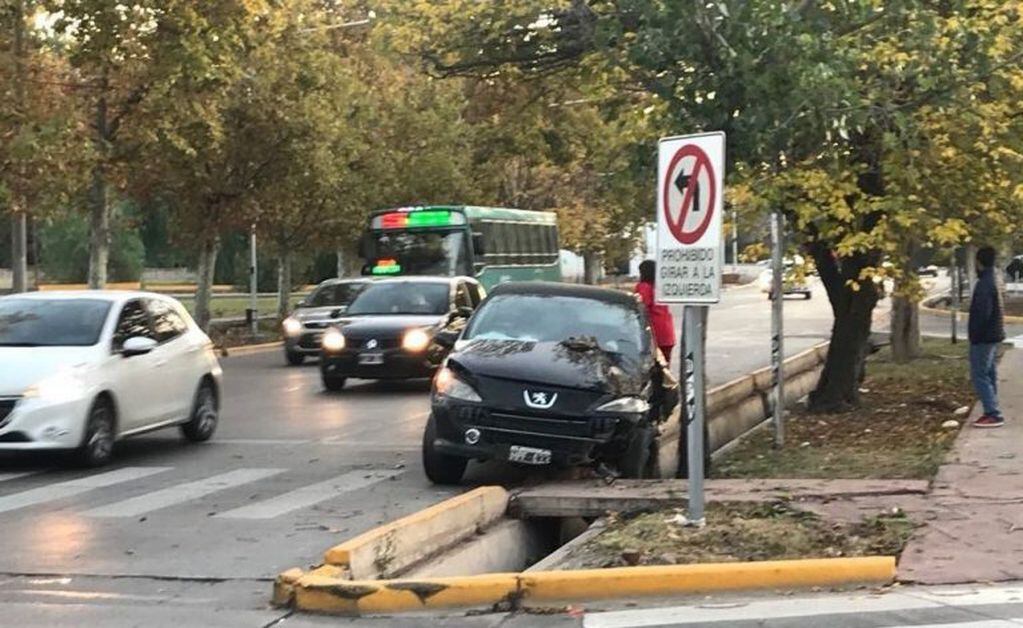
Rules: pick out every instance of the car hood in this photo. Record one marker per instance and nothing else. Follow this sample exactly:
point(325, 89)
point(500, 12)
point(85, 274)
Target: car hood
point(386, 325)
point(552, 364)
point(320, 313)
point(20, 367)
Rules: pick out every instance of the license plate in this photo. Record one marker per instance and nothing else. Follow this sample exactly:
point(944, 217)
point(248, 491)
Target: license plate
point(371, 358)
point(529, 455)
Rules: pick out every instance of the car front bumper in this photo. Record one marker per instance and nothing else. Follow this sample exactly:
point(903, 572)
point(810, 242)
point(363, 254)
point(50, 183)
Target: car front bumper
point(35, 424)
point(396, 364)
point(306, 343)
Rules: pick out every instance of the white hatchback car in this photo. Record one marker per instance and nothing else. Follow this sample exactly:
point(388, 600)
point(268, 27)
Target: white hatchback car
point(80, 370)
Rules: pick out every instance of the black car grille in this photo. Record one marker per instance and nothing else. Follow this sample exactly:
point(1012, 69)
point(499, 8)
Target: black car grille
point(6, 407)
point(584, 428)
point(310, 341)
point(318, 325)
point(355, 343)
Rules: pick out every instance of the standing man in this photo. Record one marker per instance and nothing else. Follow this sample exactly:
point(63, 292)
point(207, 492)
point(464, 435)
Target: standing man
point(987, 330)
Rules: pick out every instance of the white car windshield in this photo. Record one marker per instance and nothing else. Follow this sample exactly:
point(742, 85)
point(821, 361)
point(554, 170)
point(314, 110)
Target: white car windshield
point(545, 318)
point(51, 322)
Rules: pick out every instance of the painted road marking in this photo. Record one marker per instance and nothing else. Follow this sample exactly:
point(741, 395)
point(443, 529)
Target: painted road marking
point(760, 610)
point(77, 486)
point(174, 495)
point(309, 495)
point(14, 475)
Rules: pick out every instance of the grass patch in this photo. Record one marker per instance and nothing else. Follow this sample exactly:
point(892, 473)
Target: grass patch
point(897, 433)
point(738, 532)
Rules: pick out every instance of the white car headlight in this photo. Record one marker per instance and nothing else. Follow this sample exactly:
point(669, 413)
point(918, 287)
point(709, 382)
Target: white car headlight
point(447, 384)
point(57, 388)
point(333, 340)
point(625, 404)
point(292, 326)
point(415, 340)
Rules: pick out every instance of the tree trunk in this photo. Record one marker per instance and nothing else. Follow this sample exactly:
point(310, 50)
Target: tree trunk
point(204, 281)
point(591, 265)
point(99, 211)
point(19, 248)
point(283, 284)
point(905, 320)
point(971, 269)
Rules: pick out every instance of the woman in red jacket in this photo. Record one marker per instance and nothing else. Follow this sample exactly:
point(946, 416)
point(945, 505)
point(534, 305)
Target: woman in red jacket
point(661, 322)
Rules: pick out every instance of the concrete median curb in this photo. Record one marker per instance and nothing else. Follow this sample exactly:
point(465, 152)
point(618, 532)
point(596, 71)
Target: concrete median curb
point(320, 592)
point(250, 349)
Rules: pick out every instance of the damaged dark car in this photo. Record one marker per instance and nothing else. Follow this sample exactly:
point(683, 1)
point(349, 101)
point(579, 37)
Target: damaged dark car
point(551, 374)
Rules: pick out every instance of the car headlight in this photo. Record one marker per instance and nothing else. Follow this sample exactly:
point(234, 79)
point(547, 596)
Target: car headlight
point(415, 340)
point(447, 384)
point(333, 340)
point(292, 326)
point(625, 404)
point(56, 388)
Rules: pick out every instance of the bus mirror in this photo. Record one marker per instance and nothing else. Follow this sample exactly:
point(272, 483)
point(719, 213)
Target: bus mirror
point(478, 245)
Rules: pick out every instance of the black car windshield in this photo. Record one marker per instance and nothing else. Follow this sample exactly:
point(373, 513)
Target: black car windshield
point(335, 295)
point(402, 297)
point(51, 322)
point(546, 318)
point(424, 252)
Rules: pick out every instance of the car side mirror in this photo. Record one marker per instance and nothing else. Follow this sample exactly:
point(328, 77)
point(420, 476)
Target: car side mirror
point(137, 345)
point(446, 338)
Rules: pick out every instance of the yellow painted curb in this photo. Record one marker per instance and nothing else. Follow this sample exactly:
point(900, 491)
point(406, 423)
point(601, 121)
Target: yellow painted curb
point(394, 546)
point(589, 584)
point(326, 595)
point(323, 593)
point(248, 349)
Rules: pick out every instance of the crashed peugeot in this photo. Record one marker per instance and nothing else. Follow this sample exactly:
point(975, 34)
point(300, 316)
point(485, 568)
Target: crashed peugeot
point(551, 374)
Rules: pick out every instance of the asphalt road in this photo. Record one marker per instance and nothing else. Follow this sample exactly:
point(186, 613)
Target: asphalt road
point(179, 534)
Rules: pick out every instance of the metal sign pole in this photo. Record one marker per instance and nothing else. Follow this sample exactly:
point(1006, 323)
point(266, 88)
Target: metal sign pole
point(735, 240)
point(253, 283)
point(693, 373)
point(777, 326)
point(955, 297)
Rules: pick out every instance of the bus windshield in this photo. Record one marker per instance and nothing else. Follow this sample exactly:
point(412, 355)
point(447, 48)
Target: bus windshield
point(421, 252)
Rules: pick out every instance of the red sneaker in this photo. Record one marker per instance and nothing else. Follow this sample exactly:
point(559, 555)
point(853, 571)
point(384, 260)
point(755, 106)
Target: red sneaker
point(989, 421)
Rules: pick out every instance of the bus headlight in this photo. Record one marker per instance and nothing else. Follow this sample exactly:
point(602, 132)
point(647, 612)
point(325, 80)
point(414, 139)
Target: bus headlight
point(415, 340)
point(333, 340)
point(292, 326)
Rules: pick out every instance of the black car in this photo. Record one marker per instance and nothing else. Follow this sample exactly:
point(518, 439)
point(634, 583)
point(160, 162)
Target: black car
point(551, 374)
point(389, 330)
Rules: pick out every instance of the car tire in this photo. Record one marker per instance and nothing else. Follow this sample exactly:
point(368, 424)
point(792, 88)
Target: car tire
point(294, 358)
point(97, 446)
point(635, 460)
point(205, 415)
point(440, 468)
point(333, 383)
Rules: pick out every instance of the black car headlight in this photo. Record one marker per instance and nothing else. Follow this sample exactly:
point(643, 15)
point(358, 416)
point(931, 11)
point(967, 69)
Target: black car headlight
point(631, 405)
point(447, 384)
point(415, 340)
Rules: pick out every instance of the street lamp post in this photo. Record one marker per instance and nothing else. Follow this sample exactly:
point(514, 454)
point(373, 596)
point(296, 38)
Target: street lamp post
point(253, 284)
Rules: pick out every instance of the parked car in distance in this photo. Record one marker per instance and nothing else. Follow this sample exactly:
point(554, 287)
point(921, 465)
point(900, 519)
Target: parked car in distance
point(927, 271)
point(549, 373)
point(327, 303)
point(794, 278)
point(81, 370)
point(390, 329)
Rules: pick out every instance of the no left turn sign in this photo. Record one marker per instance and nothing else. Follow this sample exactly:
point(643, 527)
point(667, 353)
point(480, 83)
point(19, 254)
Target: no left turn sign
point(690, 184)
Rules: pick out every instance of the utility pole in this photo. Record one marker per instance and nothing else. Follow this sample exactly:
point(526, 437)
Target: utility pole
point(777, 325)
point(735, 240)
point(253, 311)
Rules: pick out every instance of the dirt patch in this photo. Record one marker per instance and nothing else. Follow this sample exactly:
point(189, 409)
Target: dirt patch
point(897, 433)
point(737, 532)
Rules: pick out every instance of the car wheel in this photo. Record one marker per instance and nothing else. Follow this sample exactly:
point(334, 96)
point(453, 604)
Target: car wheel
point(333, 383)
point(635, 461)
point(294, 358)
point(97, 446)
point(205, 415)
point(440, 468)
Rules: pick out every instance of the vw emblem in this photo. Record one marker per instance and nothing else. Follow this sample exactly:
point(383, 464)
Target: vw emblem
point(539, 399)
point(371, 343)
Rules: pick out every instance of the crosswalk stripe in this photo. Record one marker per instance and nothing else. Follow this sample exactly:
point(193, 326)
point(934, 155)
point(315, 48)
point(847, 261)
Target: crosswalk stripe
point(180, 493)
point(801, 607)
point(77, 486)
point(985, 623)
point(14, 475)
point(309, 495)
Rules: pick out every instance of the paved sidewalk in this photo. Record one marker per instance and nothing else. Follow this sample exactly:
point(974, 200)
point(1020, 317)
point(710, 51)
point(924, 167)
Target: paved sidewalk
point(974, 514)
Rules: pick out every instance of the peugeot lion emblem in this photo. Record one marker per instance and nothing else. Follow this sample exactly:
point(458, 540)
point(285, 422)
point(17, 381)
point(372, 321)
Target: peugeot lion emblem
point(371, 343)
point(539, 399)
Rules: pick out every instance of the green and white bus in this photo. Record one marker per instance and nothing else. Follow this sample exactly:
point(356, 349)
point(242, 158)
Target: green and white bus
point(493, 244)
